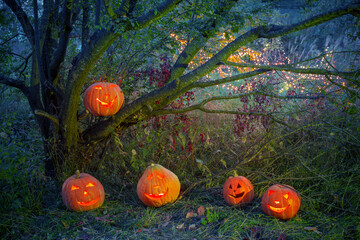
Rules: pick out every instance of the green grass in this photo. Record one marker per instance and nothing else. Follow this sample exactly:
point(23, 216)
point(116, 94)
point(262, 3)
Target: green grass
point(131, 220)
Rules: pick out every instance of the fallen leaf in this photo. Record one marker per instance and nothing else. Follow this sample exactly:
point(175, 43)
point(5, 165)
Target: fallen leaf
point(190, 214)
point(66, 226)
point(180, 226)
point(101, 218)
point(192, 227)
point(310, 228)
point(201, 211)
point(165, 224)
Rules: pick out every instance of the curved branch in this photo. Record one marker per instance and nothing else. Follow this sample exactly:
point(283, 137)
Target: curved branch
point(110, 10)
point(289, 68)
point(14, 83)
point(23, 19)
point(53, 118)
point(155, 14)
point(201, 106)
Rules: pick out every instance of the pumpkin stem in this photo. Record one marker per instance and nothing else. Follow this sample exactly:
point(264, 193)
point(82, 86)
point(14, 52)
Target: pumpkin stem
point(77, 173)
point(235, 173)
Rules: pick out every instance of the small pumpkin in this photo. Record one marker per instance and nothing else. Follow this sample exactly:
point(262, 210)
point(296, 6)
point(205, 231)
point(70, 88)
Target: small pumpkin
point(103, 99)
point(158, 186)
point(281, 201)
point(238, 190)
point(82, 192)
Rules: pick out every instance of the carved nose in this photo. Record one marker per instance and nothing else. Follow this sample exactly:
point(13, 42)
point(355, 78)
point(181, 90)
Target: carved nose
point(85, 193)
point(156, 186)
point(277, 202)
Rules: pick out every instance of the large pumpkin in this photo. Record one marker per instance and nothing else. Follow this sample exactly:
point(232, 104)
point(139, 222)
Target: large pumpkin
point(238, 190)
point(281, 201)
point(103, 99)
point(158, 186)
point(82, 192)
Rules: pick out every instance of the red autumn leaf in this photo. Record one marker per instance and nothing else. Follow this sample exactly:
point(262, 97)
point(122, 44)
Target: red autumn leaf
point(201, 211)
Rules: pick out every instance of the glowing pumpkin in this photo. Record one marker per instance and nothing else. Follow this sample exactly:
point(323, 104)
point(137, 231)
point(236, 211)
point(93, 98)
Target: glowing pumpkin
point(281, 201)
point(82, 192)
point(158, 186)
point(103, 99)
point(238, 190)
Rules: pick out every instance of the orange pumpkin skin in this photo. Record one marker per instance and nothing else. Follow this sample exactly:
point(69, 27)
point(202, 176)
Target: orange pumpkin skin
point(82, 192)
point(158, 186)
point(238, 191)
point(103, 99)
point(281, 201)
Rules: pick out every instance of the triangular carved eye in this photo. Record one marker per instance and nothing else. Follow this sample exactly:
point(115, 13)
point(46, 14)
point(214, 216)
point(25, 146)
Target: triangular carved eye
point(74, 187)
point(159, 176)
point(150, 176)
point(230, 186)
point(98, 87)
point(271, 192)
point(238, 186)
point(90, 184)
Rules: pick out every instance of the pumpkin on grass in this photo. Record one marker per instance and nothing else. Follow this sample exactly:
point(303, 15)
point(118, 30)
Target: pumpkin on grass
point(158, 186)
point(82, 192)
point(103, 99)
point(281, 201)
point(238, 190)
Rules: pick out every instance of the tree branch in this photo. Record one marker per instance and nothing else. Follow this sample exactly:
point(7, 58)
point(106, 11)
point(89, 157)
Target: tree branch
point(109, 9)
point(14, 83)
point(23, 19)
point(155, 14)
point(201, 106)
point(66, 28)
point(198, 42)
point(53, 118)
point(289, 68)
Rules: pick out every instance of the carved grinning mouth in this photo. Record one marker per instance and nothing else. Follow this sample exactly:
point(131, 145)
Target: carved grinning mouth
point(278, 210)
point(106, 104)
point(89, 203)
point(240, 195)
point(156, 196)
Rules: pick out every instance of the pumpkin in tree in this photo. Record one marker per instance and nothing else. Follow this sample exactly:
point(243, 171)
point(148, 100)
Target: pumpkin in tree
point(238, 190)
point(158, 186)
point(281, 201)
point(82, 192)
point(103, 99)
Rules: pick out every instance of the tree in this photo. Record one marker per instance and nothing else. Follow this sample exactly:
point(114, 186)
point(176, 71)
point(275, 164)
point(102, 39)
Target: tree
point(54, 80)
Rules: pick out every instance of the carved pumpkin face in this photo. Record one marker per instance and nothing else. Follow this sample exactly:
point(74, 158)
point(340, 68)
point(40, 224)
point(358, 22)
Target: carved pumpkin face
point(82, 192)
point(281, 201)
point(238, 190)
point(103, 99)
point(158, 186)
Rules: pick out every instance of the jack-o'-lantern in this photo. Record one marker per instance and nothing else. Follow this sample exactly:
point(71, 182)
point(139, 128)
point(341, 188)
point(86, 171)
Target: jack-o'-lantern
point(82, 192)
point(103, 99)
point(238, 190)
point(281, 201)
point(158, 186)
